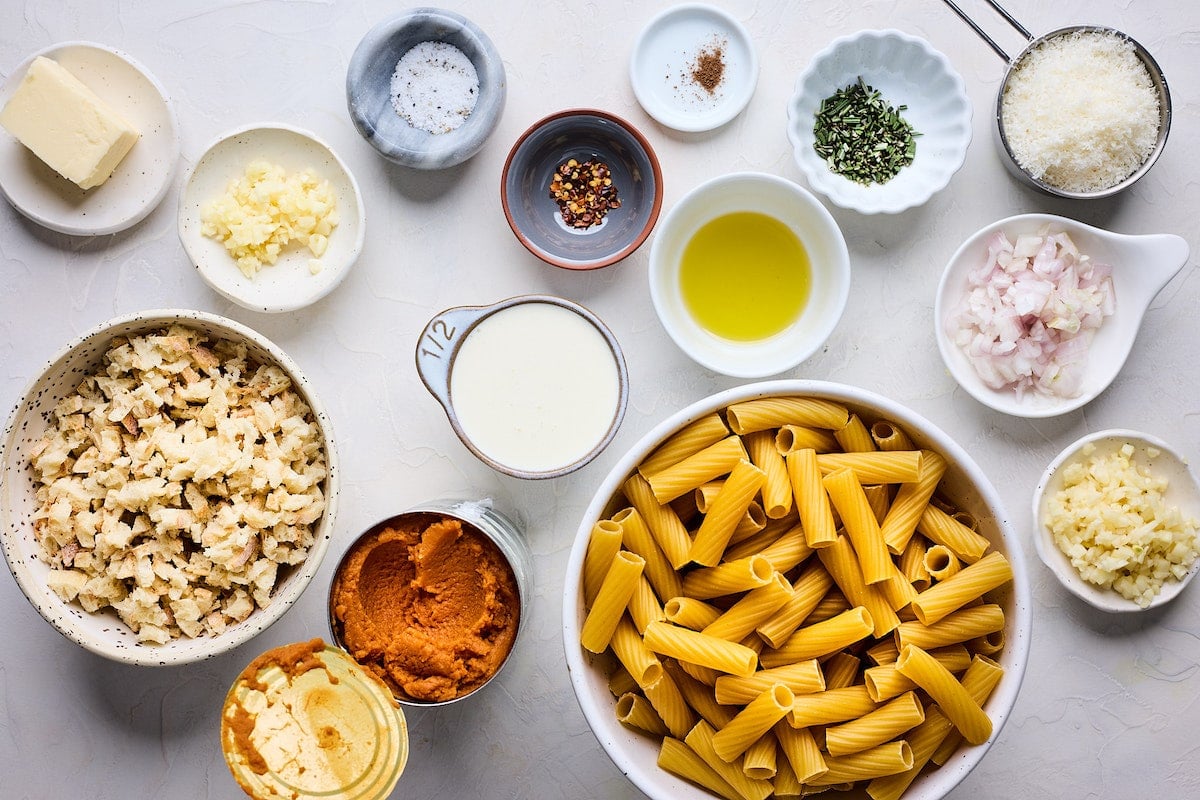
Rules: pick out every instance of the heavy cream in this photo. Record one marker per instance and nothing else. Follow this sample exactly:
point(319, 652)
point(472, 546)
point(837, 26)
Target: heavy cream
point(535, 386)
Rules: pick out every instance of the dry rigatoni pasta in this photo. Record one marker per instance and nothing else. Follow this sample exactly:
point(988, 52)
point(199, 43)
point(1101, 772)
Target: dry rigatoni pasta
point(942, 528)
point(772, 412)
point(821, 639)
point(637, 538)
point(696, 648)
point(690, 440)
point(961, 626)
point(901, 466)
point(754, 639)
point(680, 759)
point(636, 711)
point(802, 677)
point(989, 572)
point(611, 600)
point(726, 510)
point(662, 520)
point(603, 546)
point(747, 613)
point(690, 612)
point(911, 499)
point(955, 701)
point(854, 437)
point(940, 562)
point(876, 727)
point(759, 760)
point(812, 502)
point(753, 721)
point(700, 739)
point(789, 438)
point(776, 491)
point(890, 437)
point(698, 469)
point(847, 496)
point(807, 591)
point(800, 750)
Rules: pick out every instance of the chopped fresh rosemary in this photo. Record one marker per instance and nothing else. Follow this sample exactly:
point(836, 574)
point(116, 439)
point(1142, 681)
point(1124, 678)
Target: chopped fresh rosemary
point(863, 137)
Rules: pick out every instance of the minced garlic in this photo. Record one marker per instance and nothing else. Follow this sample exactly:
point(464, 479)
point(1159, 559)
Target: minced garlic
point(1112, 521)
point(268, 208)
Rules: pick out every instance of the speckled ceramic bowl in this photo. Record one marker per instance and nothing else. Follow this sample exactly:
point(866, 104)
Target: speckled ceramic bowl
point(103, 632)
point(369, 93)
point(906, 71)
point(581, 134)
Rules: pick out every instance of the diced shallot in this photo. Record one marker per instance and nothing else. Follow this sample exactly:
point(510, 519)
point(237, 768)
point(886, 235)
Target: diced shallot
point(1031, 312)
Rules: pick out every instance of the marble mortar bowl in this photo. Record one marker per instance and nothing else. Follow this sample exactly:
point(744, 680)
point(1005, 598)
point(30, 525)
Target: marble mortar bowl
point(369, 96)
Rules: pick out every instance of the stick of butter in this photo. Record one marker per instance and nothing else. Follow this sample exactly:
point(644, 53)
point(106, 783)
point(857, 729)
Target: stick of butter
point(66, 125)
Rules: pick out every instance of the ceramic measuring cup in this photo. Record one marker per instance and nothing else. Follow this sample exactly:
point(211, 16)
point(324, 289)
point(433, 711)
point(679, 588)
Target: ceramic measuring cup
point(535, 386)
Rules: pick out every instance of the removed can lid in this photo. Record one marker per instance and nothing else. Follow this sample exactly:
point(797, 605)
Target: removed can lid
point(305, 721)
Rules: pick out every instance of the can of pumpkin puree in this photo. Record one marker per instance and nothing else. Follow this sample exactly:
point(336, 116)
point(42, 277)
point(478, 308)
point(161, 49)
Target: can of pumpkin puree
point(310, 720)
point(432, 601)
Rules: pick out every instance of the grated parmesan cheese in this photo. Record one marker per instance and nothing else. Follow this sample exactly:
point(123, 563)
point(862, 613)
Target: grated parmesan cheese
point(1112, 521)
point(1080, 111)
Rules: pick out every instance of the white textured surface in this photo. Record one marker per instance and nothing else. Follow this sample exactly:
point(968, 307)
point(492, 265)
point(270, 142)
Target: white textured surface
point(1110, 706)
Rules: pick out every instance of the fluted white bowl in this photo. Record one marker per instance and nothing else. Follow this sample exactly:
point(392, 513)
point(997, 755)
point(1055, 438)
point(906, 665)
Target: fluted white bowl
point(907, 71)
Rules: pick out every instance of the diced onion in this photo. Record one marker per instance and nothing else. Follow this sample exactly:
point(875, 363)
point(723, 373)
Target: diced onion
point(1029, 317)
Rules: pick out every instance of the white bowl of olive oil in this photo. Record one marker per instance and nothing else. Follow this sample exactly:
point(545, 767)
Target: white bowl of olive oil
point(749, 274)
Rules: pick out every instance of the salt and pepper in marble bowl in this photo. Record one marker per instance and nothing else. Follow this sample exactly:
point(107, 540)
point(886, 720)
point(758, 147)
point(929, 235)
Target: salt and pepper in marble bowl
point(399, 66)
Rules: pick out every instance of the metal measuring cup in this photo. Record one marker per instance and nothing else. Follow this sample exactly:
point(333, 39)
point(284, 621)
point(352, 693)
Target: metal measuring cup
point(1006, 153)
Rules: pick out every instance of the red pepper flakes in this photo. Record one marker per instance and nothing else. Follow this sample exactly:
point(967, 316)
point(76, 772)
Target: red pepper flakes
point(584, 192)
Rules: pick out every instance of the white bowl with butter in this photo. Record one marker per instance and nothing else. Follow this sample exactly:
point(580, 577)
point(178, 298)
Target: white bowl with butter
point(141, 176)
point(535, 386)
point(801, 278)
point(299, 277)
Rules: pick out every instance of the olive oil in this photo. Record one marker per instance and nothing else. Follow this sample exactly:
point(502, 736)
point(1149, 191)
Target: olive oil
point(745, 276)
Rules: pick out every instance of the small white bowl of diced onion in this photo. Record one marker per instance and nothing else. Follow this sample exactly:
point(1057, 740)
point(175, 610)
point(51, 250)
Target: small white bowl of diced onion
point(1116, 517)
point(1036, 314)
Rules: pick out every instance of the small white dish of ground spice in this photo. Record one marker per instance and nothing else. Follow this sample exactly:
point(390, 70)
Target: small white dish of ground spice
point(694, 67)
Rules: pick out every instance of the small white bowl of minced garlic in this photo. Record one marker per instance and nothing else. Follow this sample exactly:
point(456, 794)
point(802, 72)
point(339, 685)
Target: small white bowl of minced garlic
point(1117, 520)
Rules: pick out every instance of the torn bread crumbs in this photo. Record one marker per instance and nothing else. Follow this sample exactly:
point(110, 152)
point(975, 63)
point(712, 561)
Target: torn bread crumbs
point(176, 483)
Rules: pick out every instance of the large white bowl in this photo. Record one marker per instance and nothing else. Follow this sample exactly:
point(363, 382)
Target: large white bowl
point(812, 223)
point(1142, 266)
point(906, 71)
point(635, 754)
point(103, 632)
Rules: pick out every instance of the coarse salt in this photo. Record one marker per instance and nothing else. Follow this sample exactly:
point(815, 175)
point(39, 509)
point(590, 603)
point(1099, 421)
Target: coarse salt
point(435, 87)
